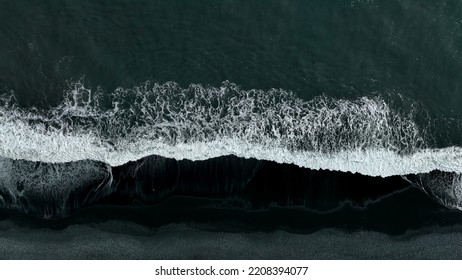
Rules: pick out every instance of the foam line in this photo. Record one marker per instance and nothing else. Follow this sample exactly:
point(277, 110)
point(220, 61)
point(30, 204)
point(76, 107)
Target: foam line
point(200, 122)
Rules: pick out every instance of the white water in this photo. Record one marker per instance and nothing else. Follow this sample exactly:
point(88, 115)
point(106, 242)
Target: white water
point(196, 123)
point(27, 144)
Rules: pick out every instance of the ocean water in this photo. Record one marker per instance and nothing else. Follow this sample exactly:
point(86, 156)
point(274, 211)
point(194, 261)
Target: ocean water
point(251, 122)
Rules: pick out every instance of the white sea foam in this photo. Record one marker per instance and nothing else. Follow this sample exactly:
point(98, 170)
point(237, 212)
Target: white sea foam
point(374, 162)
point(200, 122)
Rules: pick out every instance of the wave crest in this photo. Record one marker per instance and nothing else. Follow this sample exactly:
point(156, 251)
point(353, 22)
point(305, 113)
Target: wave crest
point(127, 124)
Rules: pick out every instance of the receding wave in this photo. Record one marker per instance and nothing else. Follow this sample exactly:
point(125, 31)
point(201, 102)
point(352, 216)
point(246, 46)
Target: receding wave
point(199, 122)
point(52, 190)
point(92, 131)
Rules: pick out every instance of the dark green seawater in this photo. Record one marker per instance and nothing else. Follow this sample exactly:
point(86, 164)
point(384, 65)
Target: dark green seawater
point(339, 48)
point(118, 108)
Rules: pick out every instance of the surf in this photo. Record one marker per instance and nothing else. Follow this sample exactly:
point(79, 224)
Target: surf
point(200, 122)
point(365, 135)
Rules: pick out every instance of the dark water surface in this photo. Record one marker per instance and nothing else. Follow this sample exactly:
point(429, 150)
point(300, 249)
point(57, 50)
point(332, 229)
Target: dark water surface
point(230, 129)
point(338, 48)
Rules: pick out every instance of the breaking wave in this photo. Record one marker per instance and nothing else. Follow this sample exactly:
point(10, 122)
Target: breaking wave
point(92, 131)
point(199, 122)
